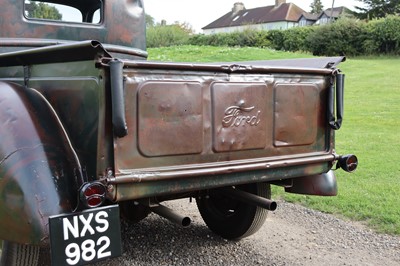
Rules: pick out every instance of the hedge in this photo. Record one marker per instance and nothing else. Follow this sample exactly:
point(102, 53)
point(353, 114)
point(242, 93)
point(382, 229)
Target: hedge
point(166, 35)
point(384, 36)
point(343, 37)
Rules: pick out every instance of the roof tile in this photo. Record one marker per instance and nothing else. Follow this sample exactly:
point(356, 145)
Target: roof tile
point(266, 14)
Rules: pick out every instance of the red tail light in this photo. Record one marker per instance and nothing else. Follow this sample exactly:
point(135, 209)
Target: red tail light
point(348, 163)
point(93, 194)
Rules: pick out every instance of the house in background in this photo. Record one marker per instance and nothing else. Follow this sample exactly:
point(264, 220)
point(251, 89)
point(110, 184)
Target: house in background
point(332, 14)
point(282, 15)
point(324, 17)
point(308, 19)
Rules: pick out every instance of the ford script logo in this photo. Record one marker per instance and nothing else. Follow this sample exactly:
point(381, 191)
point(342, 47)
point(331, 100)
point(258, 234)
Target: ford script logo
point(236, 116)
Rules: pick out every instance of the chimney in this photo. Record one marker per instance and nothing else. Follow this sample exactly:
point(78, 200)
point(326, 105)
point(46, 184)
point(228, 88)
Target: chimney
point(237, 7)
point(278, 2)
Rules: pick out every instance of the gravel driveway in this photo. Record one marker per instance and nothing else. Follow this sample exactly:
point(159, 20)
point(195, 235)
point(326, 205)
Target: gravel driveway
point(292, 235)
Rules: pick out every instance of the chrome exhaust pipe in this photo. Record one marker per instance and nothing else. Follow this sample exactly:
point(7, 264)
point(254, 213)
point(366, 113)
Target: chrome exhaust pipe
point(250, 198)
point(171, 215)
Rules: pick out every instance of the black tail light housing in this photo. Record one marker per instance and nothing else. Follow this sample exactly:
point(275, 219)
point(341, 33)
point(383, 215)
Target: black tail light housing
point(93, 194)
point(348, 162)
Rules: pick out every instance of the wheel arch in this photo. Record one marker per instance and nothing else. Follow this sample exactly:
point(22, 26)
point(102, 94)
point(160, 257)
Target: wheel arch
point(39, 170)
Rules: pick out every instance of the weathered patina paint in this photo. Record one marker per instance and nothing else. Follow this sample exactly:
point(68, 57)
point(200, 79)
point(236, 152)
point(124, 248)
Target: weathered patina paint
point(55, 135)
point(125, 30)
point(83, 105)
point(196, 127)
point(39, 174)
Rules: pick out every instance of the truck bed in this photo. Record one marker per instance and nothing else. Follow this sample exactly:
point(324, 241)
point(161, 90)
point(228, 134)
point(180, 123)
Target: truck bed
point(188, 122)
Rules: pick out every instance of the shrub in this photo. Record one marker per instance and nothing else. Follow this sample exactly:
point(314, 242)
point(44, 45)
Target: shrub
point(262, 39)
point(343, 37)
point(277, 38)
point(246, 38)
point(384, 36)
point(166, 35)
point(295, 39)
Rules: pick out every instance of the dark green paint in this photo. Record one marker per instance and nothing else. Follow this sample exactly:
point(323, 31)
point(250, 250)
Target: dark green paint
point(62, 124)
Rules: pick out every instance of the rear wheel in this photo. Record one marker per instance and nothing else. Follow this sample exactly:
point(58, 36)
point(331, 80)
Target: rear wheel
point(14, 254)
point(231, 218)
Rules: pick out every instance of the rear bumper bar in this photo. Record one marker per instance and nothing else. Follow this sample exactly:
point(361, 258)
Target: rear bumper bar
point(162, 174)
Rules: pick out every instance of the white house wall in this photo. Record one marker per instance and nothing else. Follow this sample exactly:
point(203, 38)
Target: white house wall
point(324, 19)
point(282, 25)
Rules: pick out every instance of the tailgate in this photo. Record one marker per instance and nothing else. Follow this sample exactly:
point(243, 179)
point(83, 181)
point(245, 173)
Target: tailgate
point(199, 120)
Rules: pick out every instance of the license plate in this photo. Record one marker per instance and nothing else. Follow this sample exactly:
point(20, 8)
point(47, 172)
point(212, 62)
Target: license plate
point(85, 237)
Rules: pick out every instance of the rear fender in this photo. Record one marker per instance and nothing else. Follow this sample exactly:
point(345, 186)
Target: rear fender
point(321, 185)
point(39, 170)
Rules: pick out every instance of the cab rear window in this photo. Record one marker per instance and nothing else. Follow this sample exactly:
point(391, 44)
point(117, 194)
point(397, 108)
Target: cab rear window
point(78, 11)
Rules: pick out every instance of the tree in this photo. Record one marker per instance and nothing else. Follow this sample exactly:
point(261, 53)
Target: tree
point(186, 27)
point(377, 8)
point(316, 7)
point(149, 21)
point(43, 11)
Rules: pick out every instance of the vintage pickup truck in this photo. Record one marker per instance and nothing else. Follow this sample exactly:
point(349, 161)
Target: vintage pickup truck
point(91, 132)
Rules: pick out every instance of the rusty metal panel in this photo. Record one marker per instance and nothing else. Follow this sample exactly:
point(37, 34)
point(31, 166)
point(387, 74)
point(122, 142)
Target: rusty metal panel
point(76, 89)
point(170, 118)
point(127, 29)
point(39, 172)
point(135, 189)
point(240, 115)
point(295, 114)
point(62, 53)
point(166, 142)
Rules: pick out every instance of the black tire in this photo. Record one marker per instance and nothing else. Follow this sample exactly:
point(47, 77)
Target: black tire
point(230, 218)
point(14, 254)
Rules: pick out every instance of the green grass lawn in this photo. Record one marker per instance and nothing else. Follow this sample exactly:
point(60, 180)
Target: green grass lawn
point(370, 130)
point(188, 53)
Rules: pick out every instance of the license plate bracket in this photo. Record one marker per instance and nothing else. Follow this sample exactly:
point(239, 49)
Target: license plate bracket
point(85, 237)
